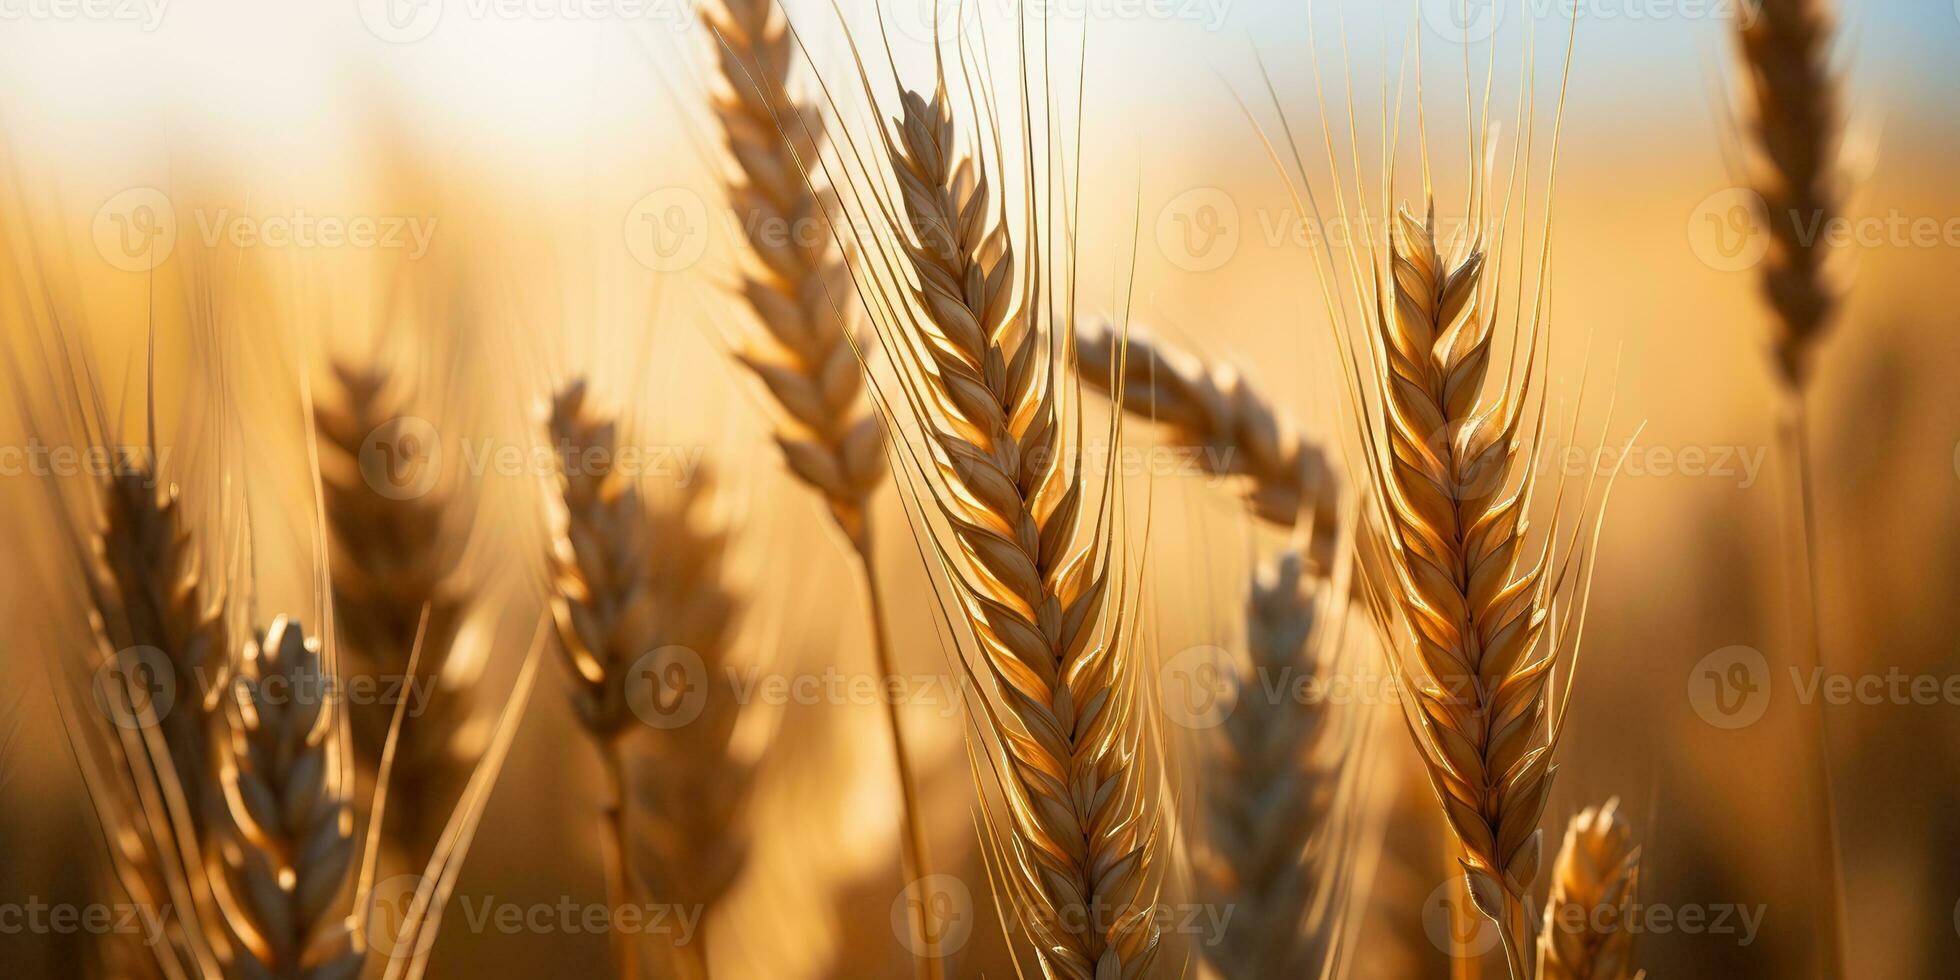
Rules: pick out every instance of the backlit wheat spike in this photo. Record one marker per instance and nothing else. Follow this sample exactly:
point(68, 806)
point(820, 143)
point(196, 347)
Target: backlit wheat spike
point(1792, 110)
point(1080, 838)
point(394, 555)
point(1278, 828)
point(797, 287)
point(150, 593)
point(1595, 888)
point(1215, 410)
point(688, 843)
point(287, 853)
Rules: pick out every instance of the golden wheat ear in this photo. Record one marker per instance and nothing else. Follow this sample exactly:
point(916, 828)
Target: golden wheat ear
point(1589, 929)
point(395, 556)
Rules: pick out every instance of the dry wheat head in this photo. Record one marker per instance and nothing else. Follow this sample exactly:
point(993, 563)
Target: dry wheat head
point(286, 856)
point(798, 287)
point(1595, 886)
point(1080, 839)
point(1792, 110)
point(394, 557)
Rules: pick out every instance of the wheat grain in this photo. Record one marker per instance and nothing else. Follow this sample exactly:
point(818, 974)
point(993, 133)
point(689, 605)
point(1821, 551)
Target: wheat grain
point(1595, 888)
point(288, 851)
point(1215, 410)
point(1078, 844)
point(1793, 113)
point(797, 287)
point(394, 556)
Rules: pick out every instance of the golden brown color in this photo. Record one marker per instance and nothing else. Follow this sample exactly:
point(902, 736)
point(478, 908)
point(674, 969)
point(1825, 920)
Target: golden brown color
point(1595, 887)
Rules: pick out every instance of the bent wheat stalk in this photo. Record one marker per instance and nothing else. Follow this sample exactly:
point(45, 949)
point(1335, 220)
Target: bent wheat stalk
point(1595, 889)
point(1792, 108)
point(799, 290)
point(394, 558)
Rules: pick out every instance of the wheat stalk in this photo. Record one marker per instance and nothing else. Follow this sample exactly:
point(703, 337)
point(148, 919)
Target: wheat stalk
point(393, 564)
point(832, 441)
point(288, 851)
point(1077, 847)
point(1215, 410)
point(1595, 887)
point(1794, 116)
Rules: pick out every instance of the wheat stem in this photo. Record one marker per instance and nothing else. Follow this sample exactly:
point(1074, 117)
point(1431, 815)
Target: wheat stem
point(619, 879)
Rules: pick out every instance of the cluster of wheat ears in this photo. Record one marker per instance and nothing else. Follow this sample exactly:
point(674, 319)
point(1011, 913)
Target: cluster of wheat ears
point(929, 341)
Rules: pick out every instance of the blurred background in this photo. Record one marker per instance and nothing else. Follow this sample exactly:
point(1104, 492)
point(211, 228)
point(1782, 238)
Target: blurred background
point(559, 159)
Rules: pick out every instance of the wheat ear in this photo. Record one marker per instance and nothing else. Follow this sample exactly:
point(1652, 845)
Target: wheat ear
point(288, 851)
point(1794, 117)
point(394, 558)
point(808, 359)
point(1216, 410)
point(1595, 887)
point(1080, 839)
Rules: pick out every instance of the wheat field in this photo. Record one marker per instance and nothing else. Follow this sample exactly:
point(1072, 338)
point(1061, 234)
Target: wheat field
point(979, 488)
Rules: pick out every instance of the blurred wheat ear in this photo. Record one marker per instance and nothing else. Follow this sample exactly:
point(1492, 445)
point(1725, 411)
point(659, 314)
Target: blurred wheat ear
point(394, 562)
point(1796, 165)
point(1283, 781)
point(638, 580)
point(1595, 889)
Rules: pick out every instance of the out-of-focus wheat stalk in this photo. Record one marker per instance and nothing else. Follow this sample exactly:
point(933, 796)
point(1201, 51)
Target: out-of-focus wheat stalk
point(989, 381)
point(799, 289)
point(1280, 782)
point(287, 851)
point(1595, 887)
point(395, 556)
point(1797, 167)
